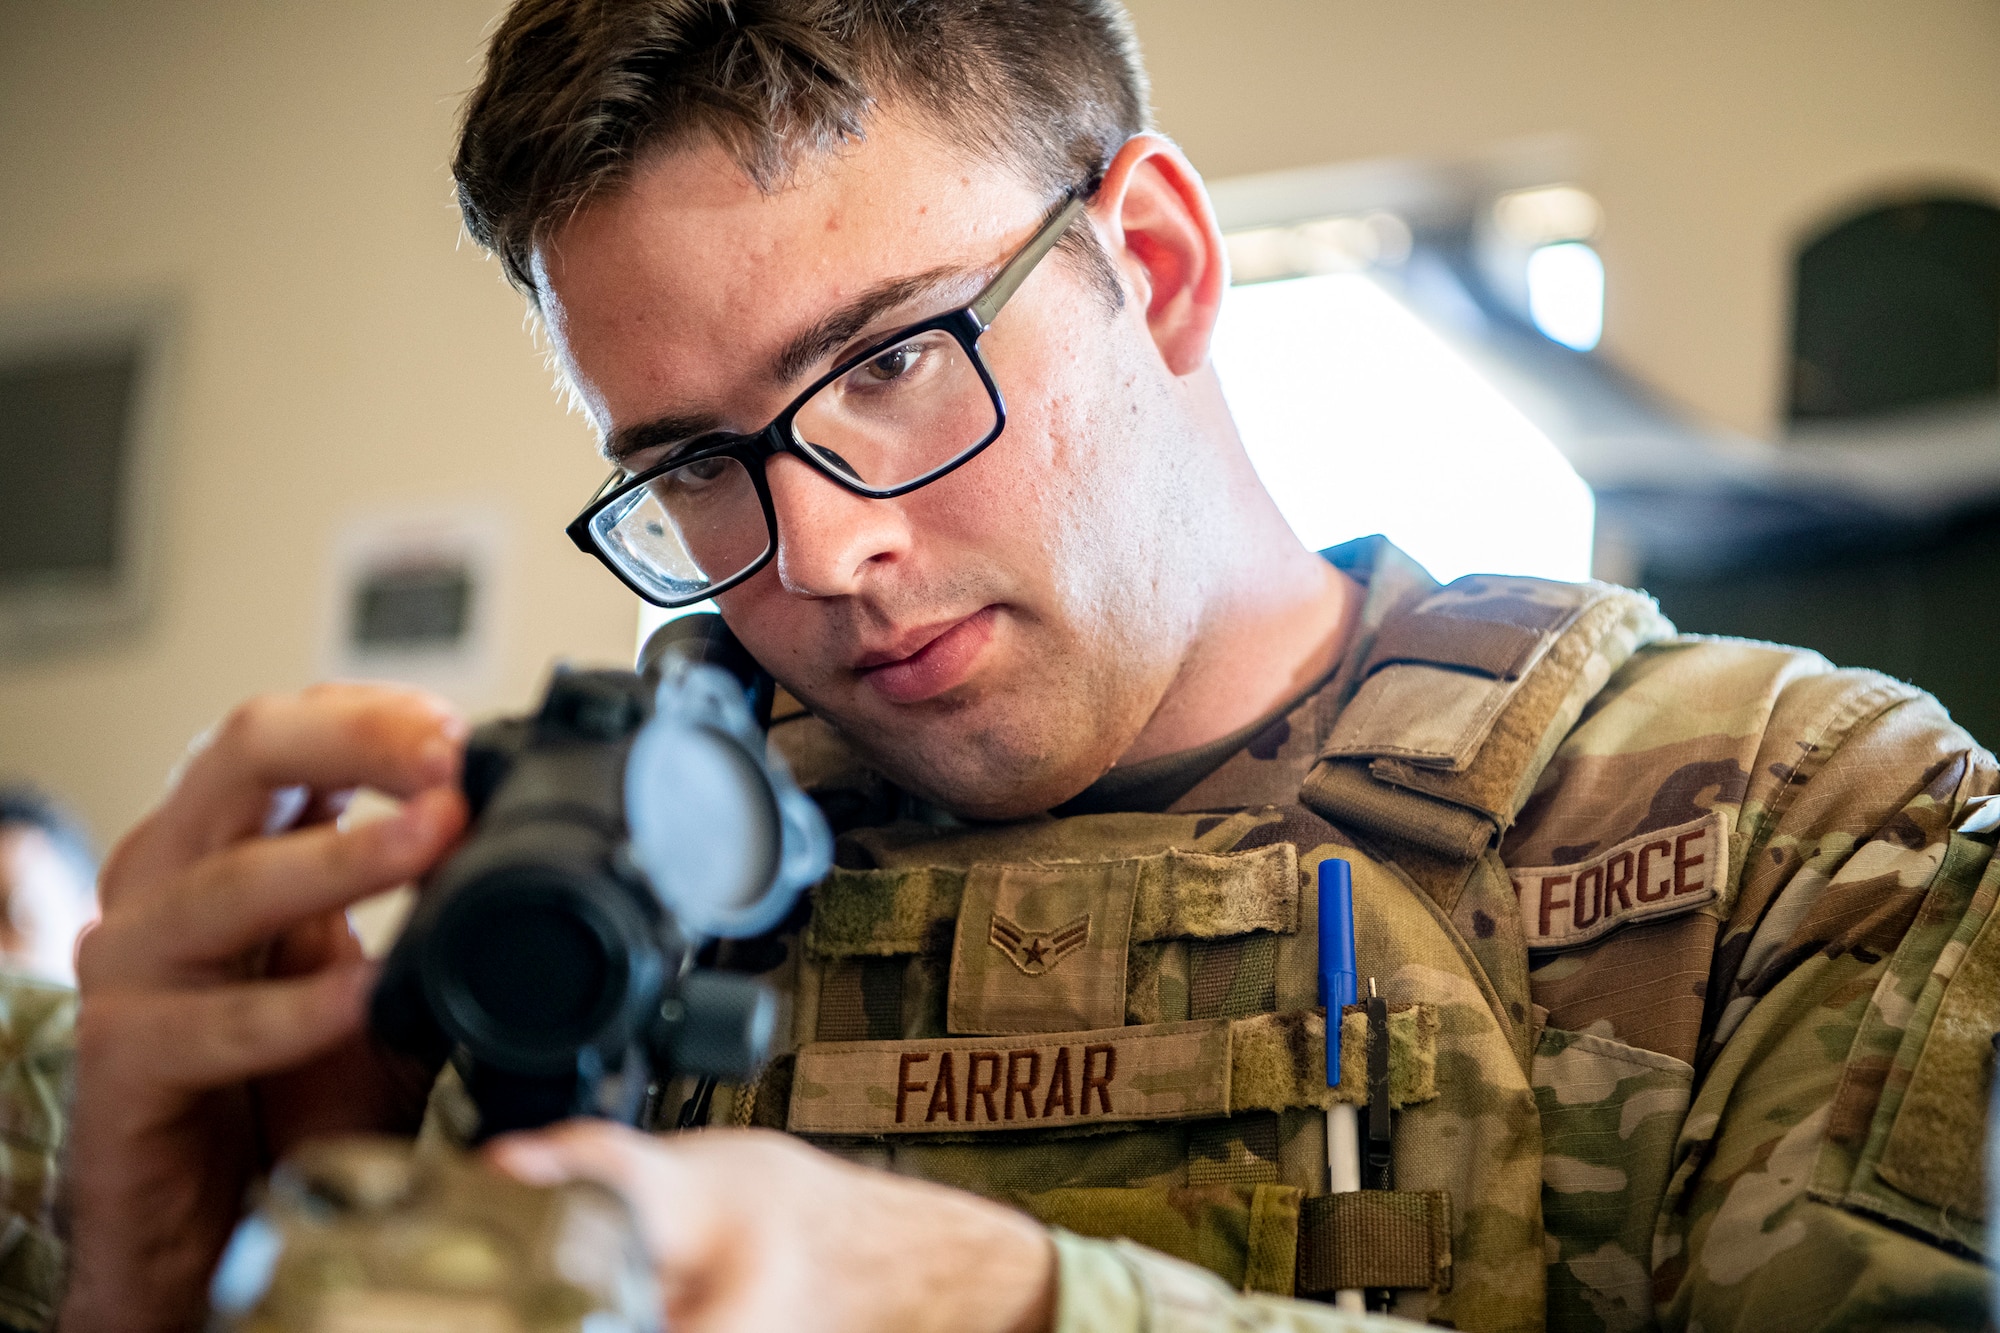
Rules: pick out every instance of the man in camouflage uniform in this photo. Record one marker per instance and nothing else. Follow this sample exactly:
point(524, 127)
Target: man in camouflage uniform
point(1681, 942)
point(1672, 896)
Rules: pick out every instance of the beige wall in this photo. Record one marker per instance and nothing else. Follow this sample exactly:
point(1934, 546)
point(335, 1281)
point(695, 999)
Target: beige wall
point(281, 167)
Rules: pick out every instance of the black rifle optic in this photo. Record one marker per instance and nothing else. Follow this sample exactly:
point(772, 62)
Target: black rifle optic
point(630, 820)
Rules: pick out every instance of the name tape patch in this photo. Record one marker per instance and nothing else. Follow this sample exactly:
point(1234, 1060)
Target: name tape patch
point(1160, 1071)
point(1662, 873)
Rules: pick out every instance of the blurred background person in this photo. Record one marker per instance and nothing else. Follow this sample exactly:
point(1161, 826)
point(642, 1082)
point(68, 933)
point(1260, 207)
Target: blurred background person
point(48, 877)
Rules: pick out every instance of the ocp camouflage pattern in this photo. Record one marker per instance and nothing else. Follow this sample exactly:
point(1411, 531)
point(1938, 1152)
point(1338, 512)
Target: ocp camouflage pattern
point(1737, 1112)
point(37, 1073)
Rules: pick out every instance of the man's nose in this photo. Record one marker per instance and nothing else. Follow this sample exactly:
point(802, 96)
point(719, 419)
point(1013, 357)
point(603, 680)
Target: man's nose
point(830, 540)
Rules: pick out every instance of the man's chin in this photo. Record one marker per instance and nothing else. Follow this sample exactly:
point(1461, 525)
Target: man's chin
point(982, 802)
point(979, 784)
point(975, 760)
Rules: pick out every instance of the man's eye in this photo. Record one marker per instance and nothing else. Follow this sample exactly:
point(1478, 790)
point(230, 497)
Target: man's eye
point(708, 469)
point(892, 364)
point(691, 478)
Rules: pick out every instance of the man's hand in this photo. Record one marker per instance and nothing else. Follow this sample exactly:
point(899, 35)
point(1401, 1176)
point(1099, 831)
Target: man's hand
point(751, 1230)
point(223, 997)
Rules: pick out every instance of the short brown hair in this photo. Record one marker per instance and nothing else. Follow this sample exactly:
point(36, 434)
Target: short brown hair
point(575, 93)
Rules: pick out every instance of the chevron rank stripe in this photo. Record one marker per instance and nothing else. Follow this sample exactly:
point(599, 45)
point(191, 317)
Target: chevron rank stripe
point(1038, 951)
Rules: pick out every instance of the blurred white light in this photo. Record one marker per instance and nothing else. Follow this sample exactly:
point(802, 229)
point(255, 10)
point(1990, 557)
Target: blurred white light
point(1325, 245)
point(1566, 293)
point(1360, 418)
point(1547, 213)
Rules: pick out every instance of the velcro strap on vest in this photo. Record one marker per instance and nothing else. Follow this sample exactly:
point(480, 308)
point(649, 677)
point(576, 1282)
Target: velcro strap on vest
point(1466, 699)
point(1374, 1238)
point(1278, 1061)
point(1489, 647)
point(1247, 1235)
point(1159, 1071)
point(1181, 895)
point(1349, 794)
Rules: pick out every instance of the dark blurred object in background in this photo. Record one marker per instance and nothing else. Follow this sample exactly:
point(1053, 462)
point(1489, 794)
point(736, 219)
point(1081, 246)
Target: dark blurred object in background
point(1909, 600)
point(80, 401)
point(1897, 307)
point(48, 878)
point(1879, 543)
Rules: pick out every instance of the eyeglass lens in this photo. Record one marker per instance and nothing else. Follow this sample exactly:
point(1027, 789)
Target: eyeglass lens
point(686, 530)
point(900, 416)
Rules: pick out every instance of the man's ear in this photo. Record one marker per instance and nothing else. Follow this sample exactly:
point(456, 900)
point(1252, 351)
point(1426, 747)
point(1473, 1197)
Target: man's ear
point(1156, 223)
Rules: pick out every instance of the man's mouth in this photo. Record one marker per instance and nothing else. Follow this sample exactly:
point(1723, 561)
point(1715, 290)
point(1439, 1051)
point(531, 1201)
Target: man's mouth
point(925, 662)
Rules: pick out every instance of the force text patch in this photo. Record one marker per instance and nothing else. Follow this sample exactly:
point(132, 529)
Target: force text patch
point(1655, 874)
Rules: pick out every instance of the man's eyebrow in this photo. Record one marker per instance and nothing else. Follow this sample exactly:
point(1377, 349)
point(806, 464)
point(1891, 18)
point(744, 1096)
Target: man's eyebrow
point(805, 350)
point(826, 335)
point(660, 430)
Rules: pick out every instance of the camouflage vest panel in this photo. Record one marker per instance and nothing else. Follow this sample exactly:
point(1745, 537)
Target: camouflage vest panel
point(37, 1075)
point(1110, 1020)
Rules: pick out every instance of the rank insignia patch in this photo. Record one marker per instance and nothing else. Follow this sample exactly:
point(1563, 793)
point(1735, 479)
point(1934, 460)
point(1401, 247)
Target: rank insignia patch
point(1063, 930)
point(1038, 951)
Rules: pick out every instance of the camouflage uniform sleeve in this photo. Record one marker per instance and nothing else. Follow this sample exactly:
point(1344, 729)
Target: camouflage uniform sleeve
point(1827, 1172)
point(1118, 1287)
point(37, 1050)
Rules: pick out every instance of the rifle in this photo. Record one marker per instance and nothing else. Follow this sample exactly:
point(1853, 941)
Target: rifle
point(560, 963)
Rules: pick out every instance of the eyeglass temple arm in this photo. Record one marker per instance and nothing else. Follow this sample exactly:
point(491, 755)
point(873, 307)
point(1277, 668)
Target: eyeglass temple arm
point(986, 306)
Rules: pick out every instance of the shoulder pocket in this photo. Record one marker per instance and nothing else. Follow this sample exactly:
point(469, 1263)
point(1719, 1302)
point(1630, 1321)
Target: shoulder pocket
point(1936, 1146)
point(1920, 1163)
point(1610, 1114)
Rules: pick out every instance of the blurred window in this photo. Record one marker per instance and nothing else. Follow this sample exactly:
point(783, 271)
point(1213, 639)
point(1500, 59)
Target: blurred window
point(63, 445)
point(1566, 293)
point(82, 387)
point(1361, 418)
point(1897, 307)
point(47, 894)
point(1536, 256)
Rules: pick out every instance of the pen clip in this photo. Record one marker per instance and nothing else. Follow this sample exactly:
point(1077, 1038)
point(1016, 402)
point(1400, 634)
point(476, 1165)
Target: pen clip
point(1379, 1159)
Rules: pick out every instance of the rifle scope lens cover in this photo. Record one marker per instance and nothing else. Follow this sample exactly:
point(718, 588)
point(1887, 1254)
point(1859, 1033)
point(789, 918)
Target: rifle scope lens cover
point(724, 834)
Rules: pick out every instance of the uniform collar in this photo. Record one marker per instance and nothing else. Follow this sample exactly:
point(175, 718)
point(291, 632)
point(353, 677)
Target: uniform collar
point(1256, 762)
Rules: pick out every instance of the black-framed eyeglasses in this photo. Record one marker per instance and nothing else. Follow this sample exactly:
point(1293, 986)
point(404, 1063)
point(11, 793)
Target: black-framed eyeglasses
point(882, 423)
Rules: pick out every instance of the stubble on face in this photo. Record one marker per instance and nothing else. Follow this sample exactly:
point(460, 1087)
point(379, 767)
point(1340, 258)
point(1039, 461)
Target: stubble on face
point(1074, 529)
point(1097, 607)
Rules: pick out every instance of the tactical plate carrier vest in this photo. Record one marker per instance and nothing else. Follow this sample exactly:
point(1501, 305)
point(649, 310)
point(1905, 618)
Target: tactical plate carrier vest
point(1110, 1020)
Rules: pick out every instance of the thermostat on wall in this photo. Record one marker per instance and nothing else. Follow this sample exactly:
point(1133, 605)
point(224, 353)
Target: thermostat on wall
point(414, 597)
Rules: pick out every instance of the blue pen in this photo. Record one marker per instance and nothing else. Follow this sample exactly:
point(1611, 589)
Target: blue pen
point(1337, 970)
point(1337, 975)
